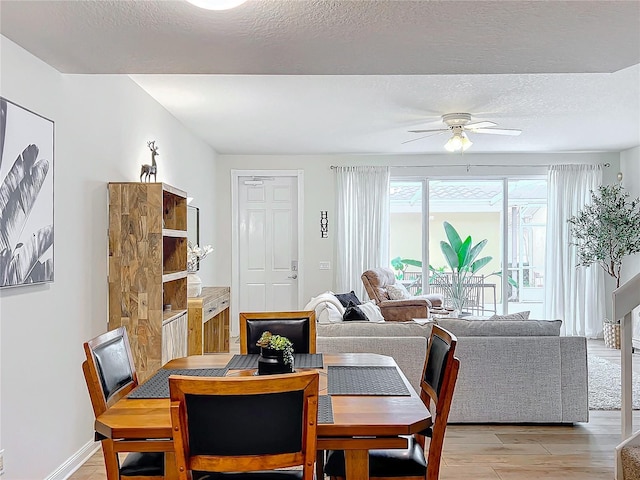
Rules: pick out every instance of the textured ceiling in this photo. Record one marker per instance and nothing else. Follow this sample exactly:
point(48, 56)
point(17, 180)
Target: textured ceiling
point(349, 76)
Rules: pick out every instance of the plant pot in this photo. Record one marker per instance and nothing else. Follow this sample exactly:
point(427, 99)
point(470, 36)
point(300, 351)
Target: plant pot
point(612, 335)
point(272, 362)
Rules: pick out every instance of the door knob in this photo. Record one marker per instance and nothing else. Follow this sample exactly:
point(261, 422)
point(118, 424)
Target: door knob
point(294, 276)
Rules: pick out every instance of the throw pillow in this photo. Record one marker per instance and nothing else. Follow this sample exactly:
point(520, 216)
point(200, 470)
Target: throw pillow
point(398, 292)
point(372, 311)
point(512, 316)
point(353, 312)
point(345, 298)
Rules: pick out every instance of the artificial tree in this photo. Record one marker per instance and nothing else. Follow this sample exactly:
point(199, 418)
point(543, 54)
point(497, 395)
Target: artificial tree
point(607, 230)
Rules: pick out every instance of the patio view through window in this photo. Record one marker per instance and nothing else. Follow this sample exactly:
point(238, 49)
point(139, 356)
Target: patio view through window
point(476, 208)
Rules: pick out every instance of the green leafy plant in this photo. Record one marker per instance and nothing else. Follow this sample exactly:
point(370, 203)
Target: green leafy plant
point(277, 342)
point(607, 230)
point(462, 259)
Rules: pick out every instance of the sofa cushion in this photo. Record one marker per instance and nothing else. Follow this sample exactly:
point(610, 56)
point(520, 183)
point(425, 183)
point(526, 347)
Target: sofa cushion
point(397, 291)
point(371, 329)
point(512, 316)
point(352, 312)
point(501, 328)
point(372, 311)
point(345, 298)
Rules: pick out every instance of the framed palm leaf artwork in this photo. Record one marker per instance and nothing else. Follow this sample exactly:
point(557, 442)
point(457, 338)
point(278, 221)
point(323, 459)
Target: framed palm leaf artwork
point(26, 196)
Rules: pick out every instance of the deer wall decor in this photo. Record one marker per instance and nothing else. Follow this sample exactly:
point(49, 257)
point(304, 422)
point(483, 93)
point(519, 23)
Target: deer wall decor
point(148, 170)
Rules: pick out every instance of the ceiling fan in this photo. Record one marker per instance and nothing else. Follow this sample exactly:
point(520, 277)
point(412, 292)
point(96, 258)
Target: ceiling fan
point(458, 124)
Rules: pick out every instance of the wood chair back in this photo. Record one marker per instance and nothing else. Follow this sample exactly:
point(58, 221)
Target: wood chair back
point(110, 375)
point(438, 382)
point(299, 327)
point(245, 424)
point(439, 376)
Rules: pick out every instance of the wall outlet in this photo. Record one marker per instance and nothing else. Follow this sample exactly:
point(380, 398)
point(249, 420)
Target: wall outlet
point(2, 461)
point(325, 265)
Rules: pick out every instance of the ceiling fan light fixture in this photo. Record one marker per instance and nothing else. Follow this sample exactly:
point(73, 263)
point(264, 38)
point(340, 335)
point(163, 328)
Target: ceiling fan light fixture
point(216, 4)
point(458, 141)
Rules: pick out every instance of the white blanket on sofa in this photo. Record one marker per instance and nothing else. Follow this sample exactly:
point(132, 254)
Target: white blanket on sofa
point(327, 307)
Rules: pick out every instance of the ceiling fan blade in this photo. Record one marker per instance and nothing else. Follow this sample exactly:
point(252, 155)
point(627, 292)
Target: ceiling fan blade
point(476, 125)
point(440, 132)
point(498, 131)
point(430, 130)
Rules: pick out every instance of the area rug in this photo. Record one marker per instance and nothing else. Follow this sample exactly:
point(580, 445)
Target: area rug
point(604, 385)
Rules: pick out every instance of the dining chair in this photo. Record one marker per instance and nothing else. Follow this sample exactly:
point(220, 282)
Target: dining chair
point(110, 375)
point(438, 381)
point(299, 327)
point(245, 428)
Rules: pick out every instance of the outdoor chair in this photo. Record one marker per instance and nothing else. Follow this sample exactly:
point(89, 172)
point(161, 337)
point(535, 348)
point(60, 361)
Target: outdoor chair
point(299, 327)
point(245, 428)
point(436, 391)
point(110, 375)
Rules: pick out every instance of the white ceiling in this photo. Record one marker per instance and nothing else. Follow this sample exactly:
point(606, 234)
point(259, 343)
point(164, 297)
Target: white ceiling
point(352, 76)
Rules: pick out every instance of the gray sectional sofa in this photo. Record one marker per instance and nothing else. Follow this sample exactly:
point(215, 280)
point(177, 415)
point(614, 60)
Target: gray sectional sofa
point(510, 371)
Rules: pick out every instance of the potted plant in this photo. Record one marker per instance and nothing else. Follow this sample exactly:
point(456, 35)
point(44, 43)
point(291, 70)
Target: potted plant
point(462, 258)
point(276, 354)
point(604, 232)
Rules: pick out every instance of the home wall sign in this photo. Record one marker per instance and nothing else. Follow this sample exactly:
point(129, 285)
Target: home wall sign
point(324, 224)
point(26, 196)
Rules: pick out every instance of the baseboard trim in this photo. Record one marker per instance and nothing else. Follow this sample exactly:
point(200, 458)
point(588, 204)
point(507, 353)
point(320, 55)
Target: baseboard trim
point(72, 464)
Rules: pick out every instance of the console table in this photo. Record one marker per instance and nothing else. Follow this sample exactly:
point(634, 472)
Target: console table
point(208, 316)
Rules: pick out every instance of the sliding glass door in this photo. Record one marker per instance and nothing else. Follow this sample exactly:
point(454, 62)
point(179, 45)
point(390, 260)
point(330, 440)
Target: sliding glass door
point(407, 232)
point(510, 214)
point(473, 208)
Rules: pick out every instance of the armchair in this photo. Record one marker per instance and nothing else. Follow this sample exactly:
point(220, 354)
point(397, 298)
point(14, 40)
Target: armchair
point(376, 281)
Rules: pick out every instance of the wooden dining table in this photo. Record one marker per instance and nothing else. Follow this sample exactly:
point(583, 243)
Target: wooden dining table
point(360, 422)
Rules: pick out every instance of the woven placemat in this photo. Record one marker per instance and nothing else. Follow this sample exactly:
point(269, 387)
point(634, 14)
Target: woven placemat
point(250, 361)
point(158, 385)
point(308, 360)
point(325, 410)
point(243, 362)
point(365, 381)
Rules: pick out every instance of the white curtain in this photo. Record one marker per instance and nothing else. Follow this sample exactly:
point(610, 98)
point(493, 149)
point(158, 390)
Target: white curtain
point(362, 224)
point(573, 294)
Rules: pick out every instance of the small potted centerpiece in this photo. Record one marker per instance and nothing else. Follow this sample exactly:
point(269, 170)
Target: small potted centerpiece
point(276, 354)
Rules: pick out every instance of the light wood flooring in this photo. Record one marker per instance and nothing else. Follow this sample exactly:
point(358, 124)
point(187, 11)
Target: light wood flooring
point(513, 452)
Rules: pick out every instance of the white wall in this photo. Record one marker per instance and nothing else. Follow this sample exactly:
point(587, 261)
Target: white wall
point(102, 124)
point(319, 194)
point(630, 168)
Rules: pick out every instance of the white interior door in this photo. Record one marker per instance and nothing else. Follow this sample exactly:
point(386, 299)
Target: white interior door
point(268, 243)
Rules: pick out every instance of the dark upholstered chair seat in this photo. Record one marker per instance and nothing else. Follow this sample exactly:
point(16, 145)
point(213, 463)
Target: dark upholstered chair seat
point(143, 464)
point(261, 475)
point(409, 462)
